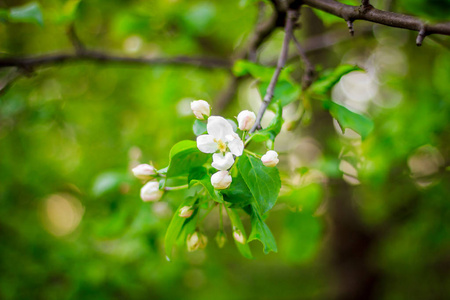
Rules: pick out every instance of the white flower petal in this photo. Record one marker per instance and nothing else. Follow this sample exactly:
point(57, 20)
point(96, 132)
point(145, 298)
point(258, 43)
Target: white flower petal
point(221, 180)
point(218, 127)
point(206, 143)
point(270, 159)
point(236, 146)
point(222, 162)
point(246, 119)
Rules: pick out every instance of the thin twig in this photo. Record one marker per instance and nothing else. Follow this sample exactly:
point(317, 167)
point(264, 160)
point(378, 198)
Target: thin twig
point(32, 62)
point(308, 73)
point(292, 16)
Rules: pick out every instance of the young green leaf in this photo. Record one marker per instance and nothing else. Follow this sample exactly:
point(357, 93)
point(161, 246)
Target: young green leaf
point(199, 175)
point(175, 226)
point(285, 91)
point(28, 13)
point(348, 119)
point(327, 81)
point(273, 129)
point(237, 224)
point(261, 232)
point(183, 157)
point(264, 182)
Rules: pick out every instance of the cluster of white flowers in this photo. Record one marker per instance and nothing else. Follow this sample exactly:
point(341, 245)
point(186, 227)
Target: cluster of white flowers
point(221, 141)
point(224, 143)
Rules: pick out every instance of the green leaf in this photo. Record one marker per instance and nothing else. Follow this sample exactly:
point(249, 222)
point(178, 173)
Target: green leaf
point(261, 232)
point(183, 157)
point(326, 82)
point(244, 67)
point(264, 182)
point(108, 182)
point(28, 13)
point(237, 224)
point(238, 192)
point(175, 226)
point(348, 119)
point(199, 175)
point(69, 11)
point(199, 127)
point(285, 91)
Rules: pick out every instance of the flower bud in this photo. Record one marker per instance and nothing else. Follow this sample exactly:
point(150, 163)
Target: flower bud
point(144, 172)
point(195, 241)
point(270, 159)
point(200, 108)
point(246, 120)
point(221, 180)
point(238, 236)
point(186, 212)
point(151, 192)
point(192, 241)
point(221, 239)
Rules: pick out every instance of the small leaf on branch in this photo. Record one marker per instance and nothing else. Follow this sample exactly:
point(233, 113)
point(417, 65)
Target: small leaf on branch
point(237, 224)
point(348, 119)
point(326, 82)
point(263, 182)
point(183, 157)
point(200, 175)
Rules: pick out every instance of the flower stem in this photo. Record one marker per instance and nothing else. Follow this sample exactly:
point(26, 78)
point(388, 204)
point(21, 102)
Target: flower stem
point(251, 153)
point(174, 188)
point(206, 214)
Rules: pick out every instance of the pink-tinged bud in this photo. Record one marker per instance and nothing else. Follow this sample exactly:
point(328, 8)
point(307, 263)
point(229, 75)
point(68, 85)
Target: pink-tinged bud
point(246, 119)
point(195, 241)
point(144, 172)
point(270, 159)
point(221, 180)
point(201, 109)
point(238, 236)
point(221, 239)
point(186, 212)
point(151, 192)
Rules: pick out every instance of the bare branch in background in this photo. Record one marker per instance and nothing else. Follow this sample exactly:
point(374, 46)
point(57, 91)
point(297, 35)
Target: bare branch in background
point(292, 16)
point(368, 13)
point(308, 73)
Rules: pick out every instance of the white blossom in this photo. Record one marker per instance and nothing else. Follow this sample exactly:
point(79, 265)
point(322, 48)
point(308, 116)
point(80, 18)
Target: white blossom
point(195, 241)
point(220, 137)
point(270, 159)
point(144, 171)
point(222, 161)
point(246, 119)
point(151, 192)
point(221, 180)
point(200, 108)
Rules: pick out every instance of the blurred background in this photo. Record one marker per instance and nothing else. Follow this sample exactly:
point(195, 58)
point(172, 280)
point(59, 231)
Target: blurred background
point(375, 217)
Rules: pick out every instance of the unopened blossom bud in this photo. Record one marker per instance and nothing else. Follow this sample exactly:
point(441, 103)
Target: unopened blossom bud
point(221, 239)
point(246, 119)
point(186, 212)
point(238, 236)
point(151, 192)
point(270, 159)
point(144, 171)
point(195, 241)
point(221, 180)
point(200, 108)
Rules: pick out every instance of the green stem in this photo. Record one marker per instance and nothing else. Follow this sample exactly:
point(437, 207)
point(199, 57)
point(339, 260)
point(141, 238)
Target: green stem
point(206, 214)
point(220, 218)
point(251, 153)
point(174, 188)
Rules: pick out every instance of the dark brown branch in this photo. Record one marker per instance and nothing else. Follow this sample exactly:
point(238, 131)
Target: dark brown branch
point(292, 16)
point(32, 62)
point(368, 13)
